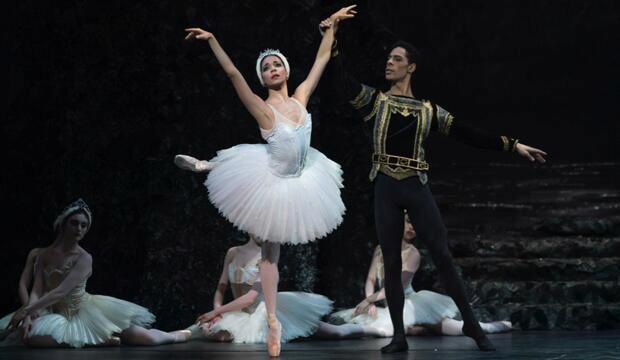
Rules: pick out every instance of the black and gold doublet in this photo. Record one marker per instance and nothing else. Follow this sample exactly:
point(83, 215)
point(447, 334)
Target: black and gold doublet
point(400, 126)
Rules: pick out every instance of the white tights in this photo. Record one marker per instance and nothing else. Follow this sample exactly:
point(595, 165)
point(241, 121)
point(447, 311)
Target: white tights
point(455, 327)
point(346, 331)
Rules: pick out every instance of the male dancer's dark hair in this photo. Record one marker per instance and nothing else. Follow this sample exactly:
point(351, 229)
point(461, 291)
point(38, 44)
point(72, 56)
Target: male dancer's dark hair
point(413, 55)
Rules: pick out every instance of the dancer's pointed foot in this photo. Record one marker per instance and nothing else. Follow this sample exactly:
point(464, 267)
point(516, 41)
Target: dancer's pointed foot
point(398, 344)
point(181, 336)
point(187, 162)
point(498, 327)
point(382, 331)
point(273, 337)
point(483, 342)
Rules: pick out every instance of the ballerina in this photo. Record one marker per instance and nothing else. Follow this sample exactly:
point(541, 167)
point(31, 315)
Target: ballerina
point(284, 191)
point(243, 320)
point(60, 312)
point(424, 312)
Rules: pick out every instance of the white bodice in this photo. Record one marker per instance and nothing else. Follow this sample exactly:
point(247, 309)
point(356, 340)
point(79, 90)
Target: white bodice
point(246, 275)
point(408, 290)
point(69, 304)
point(241, 280)
point(288, 143)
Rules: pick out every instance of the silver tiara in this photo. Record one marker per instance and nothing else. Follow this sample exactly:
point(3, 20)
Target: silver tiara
point(79, 204)
point(268, 52)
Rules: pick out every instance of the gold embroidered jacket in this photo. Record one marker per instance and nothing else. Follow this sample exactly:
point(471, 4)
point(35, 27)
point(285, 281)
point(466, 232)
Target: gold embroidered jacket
point(401, 124)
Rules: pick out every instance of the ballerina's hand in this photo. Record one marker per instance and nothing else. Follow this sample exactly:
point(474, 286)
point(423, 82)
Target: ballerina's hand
point(25, 327)
point(342, 14)
point(17, 318)
point(362, 308)
point(206, 317)
point(530, 153)
point(197, 33)
point(372, 311)
point(213, 321)
point(324, 25)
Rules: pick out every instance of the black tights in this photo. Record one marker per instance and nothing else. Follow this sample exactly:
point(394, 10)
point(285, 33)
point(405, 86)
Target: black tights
point(391, 198)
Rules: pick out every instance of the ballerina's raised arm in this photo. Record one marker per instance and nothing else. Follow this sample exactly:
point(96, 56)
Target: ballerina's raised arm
point(255, 105)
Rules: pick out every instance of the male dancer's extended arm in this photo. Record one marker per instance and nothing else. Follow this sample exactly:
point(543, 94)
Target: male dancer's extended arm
point(464, 132)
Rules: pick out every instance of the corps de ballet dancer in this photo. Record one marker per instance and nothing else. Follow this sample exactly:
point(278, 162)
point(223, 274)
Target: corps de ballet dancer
point(59, 312)
point(424, 312)
point(243, 320)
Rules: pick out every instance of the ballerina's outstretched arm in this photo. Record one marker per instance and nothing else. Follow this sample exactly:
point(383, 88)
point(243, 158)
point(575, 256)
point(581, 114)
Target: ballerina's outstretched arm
point(237, 304)
point(255, 105)
point(307, 87)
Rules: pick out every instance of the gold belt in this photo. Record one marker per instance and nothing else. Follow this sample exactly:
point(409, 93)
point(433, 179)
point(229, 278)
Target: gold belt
point(393, 160)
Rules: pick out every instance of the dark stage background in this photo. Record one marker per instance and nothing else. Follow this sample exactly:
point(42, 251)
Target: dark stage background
point(102, 95)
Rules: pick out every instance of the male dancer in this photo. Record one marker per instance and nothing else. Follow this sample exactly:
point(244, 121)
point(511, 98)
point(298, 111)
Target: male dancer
point(400, 124)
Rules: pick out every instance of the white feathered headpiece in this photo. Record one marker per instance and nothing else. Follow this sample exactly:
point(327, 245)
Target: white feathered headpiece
point(79, 204)
point(266, 53)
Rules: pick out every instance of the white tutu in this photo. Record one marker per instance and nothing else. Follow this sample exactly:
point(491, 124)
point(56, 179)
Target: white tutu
point(12, 337)
point(422, 307)
point(4, 322)
point(298, 312)
point(8, 338)
point(98, 318)
point(296, 209)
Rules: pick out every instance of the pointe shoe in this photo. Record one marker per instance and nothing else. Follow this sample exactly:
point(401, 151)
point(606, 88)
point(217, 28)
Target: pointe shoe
point(501, 326)
point(383, 331)
point(187, 162)
point(181, 336)
point(483, 342)
point(273, 337)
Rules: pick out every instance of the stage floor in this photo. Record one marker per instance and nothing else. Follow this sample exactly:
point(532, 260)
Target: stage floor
point(516, 345)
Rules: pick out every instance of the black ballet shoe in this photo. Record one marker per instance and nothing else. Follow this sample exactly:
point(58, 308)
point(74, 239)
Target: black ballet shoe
point(483, 342)
point(397, 345)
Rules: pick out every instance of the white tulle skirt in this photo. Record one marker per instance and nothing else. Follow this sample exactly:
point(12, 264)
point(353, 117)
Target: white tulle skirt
point(8, 338)
point(299, 314)
point(422, 307)
point(98, 318)
point(291, 210)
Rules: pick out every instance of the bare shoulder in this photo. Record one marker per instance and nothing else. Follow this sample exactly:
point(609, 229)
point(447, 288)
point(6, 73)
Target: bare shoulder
point(231, 252)
point(44, 254)
point(84, 257)
point(34, 253)
point(411, 250)
point(410, 247)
